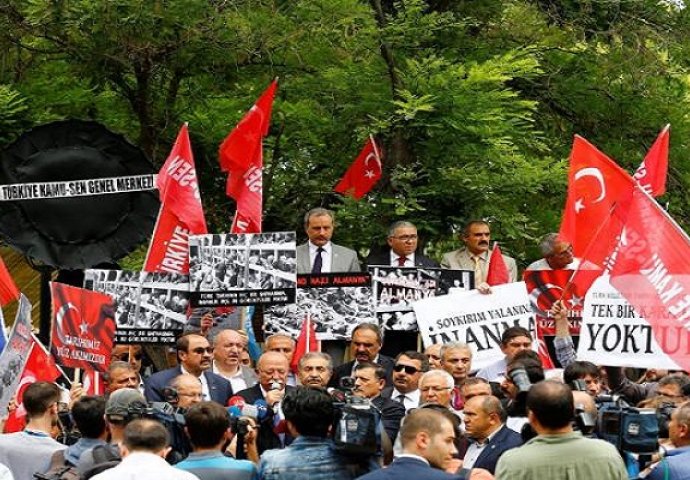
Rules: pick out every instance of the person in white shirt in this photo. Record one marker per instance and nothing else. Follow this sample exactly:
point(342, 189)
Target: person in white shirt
point(143, 450)
point(228, 346)
point(408, 369)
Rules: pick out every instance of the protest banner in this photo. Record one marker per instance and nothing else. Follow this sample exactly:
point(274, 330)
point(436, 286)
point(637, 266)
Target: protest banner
point(242, 269)
point(335, 302)
point(395, 289)
point(475, 319)
point(16, 353)
point(83, 327)
point(149, 307)
point(613, 333)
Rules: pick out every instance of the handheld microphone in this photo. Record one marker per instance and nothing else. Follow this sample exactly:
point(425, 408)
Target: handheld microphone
point(276, 385)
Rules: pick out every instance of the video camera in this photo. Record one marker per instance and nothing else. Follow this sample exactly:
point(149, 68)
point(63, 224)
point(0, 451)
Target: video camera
point(629, 429)
point(356, 424)
point(171, 418)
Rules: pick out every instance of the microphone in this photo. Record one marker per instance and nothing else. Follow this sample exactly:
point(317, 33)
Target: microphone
point(276, 385)
point(337, 395)
point(238, 408)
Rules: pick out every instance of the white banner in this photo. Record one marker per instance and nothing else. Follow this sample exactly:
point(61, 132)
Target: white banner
point(76, 188)
point(612, 333)
point(476, 319)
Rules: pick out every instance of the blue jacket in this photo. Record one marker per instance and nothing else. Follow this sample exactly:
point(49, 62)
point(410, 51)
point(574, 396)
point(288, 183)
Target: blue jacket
point(406, 468)
point(677, 462)
point(310, 458)
point(505, 439)
point(219, 388)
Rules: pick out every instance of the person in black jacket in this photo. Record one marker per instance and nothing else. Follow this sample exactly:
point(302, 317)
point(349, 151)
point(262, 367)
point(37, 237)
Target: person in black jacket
point(370, 379)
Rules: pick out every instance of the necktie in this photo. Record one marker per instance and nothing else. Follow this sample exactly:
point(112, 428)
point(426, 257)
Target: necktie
point(478, 278)
point(401, 398)
point(318, 261)
point(401, 261)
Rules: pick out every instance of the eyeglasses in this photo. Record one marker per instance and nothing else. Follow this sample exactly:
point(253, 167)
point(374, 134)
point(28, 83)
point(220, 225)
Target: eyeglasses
point(201, 350)
point(405, 238)
point(125, 357)
point(434, 389)
point(567, 251)
point(410, 370)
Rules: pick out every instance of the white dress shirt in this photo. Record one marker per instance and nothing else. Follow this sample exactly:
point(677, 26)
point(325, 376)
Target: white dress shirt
point(475, 449)
point(205, 392)
point(237, 380)
point(326, 256)
point(410, 401)
point(144, 466)
point(409, 259)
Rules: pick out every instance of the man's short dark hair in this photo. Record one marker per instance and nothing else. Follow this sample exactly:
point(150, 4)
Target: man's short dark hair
point(310, 410)
point(206, 424)
point(529, 360)
point(674, 379)
point(470, 224)
point(182, 344)
point(145, 434)
point(427, 420)
point(580, 369)
point(552, 404)
point(514, 332)
point(318, 212)
point(89, 416)
point(371, 327)
point(379, 371)
point(39, 396)
point(116, 365)
point(413, 355)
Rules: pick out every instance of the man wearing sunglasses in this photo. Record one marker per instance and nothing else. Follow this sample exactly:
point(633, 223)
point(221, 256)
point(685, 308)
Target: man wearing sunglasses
point(194, 354)
point(407, 371)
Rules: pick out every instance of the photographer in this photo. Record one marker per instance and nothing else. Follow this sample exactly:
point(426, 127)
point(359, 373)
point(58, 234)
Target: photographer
point(523, 371)
point(309, 413)
point(588, 375)
point(208, 427)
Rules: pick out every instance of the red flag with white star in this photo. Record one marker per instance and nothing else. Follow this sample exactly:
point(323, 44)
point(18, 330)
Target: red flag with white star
point(364, 172)
point(83, 327)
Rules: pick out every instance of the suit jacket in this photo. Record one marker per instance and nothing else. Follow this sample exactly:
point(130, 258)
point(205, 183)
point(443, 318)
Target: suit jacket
point(219, 388)
point(392, 413)
point(345, 370)
point(504, 440)
point(462, 260)
point(407, 468)
point(267, 438)
point(385, 259)
point(342, 259)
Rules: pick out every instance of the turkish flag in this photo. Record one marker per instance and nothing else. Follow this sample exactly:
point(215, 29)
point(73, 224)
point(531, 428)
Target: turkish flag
point(83, 327)
point(92, 382)
point(652, 272)
point(40, 367)
point(8, 289)
point(651, 174)
point(595, 185)
point(306, 342)
point(241, 155)
point(364, 172)
point(181, 212)
point(497, 273)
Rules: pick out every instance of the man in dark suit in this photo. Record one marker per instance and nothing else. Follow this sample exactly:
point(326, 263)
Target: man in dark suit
point(365, 346)
point(194, 354)
point(273, 368)
point(369, 382)
point(319, 255)
point(427, 439)
point(402, 240)
point(489, 436)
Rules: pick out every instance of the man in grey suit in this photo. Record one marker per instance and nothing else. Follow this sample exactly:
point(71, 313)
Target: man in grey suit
point(319, 255)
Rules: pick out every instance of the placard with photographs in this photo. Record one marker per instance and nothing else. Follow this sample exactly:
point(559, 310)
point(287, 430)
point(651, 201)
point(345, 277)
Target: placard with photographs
point(149, 307)
point(242, 269)
point(395, 289)
point(336, 302)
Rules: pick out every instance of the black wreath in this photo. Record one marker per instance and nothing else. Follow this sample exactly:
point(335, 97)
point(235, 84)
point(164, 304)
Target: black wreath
point(77, 232)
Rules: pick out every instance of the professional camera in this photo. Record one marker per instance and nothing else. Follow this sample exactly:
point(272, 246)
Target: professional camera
point(629, 429)
point(69, 433)
point(663, 415)
point(172, 419)
point(357, 424)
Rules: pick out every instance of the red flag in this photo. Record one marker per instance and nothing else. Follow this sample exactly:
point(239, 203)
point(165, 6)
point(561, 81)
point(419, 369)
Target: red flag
point(651, 272)
point(497, 273)
point(651, 174)
point(595, 185)
point(363, 174)
point(181, 212)
point(8, 289)
point(306, 342)
point(241, 155)
point(92, 382)
point(39, 367)
point(83, 327)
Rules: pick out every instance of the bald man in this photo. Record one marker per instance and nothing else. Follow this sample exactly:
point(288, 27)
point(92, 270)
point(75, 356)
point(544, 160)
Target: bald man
point(228, 346)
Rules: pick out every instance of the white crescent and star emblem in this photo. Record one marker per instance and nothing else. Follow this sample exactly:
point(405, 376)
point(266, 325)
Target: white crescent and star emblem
point(537, 293)
point(595, 173)
point(369, 173)
point(59, 317)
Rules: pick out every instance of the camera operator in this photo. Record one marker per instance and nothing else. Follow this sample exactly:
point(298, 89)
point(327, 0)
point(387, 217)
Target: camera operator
point(585, 413)
point(671, 386)
point(208, 427)
point(587, 373)
point(309, 413)
point(117, 416)
point(30, 451)
point(522, 372)
point(144, 447)
point(676, 464)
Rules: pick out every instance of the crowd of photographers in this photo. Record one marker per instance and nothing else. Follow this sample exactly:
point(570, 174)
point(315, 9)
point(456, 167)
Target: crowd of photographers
point(419, 415)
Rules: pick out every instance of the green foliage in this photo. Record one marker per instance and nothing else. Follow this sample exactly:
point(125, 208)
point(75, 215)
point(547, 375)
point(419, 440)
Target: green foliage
point(13, 113)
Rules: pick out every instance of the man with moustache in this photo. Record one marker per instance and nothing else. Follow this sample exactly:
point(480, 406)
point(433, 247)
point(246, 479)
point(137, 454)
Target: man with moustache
point(227, 350)
point(365, 347)
point(120, 375)
point(369, 382)
point(194, 354)
point(475, 256)
point(319, 254)
point(315, 369)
